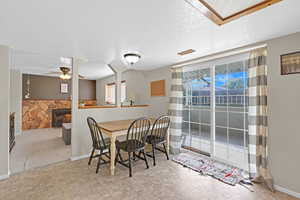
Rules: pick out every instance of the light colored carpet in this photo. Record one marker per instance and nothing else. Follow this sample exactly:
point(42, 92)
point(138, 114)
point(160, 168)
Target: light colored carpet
point(37, 148)
point(168, 181)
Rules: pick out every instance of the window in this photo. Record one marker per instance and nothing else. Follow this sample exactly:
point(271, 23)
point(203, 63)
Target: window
point(110, 92)
point(216, 109)
point(123, 91)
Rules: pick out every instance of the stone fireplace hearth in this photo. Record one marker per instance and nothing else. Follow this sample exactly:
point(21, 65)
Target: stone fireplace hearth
point(58, 116)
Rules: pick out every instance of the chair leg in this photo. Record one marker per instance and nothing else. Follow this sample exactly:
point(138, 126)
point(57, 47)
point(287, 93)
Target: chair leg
point(166, 151)
point(153, 154)
point(117, 156)
point(134, 156)
point(91, 156)
point(129, 160)
point(121, 156)
point(143, 152)
point(99, 162)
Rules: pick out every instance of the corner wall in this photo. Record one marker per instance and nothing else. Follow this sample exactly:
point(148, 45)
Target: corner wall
point(135, 83)
point(284, 115)
point(16, 98)
point(4, 111)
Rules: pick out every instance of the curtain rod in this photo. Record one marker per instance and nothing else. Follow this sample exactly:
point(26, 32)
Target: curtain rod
point(218, 55)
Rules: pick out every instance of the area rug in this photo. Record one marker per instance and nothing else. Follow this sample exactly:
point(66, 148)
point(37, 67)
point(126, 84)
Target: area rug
point(208, 166)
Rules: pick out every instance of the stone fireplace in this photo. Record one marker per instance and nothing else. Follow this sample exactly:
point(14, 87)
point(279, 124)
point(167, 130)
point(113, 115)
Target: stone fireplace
point(38, 113)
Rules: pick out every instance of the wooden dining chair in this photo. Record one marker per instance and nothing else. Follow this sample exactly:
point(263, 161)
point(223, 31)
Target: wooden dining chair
point(158, 135)
point(100, 144)
point(135, 143)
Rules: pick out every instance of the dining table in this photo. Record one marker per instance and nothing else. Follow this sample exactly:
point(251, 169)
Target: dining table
point(118, 128)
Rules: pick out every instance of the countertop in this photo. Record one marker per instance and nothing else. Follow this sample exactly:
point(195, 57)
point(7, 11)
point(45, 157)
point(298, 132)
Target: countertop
point(113, 106)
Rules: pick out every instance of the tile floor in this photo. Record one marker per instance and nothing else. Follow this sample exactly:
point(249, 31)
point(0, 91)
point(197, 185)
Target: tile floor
point(37, 148)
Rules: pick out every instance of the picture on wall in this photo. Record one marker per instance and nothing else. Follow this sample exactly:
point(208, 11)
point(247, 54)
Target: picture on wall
point(64, 88)
point(158, 88)
point(290, 63)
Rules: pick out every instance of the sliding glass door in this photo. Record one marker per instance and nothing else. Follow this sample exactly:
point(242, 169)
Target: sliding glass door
point(215, 110)
point(231, 112)
point(197, 111)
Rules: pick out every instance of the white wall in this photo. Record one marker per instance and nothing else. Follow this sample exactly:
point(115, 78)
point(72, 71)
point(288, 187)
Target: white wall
point(16, 98)
point(135, 83)
point(158, 105)
point(4, 111)
point(81, 135)
point(284, 115)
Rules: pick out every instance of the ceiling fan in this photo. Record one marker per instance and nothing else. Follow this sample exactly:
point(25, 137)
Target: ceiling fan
point(65, 73)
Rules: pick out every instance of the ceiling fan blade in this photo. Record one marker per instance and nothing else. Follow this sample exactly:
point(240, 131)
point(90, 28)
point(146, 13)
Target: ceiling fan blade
point(81, 77)
point(60, 73)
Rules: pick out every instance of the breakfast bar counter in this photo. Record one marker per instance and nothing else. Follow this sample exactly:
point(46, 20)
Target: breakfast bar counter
point(111, 106)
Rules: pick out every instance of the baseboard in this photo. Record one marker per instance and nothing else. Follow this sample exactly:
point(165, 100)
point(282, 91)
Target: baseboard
point(6, 176)
point(80, 157)
point(287, 191)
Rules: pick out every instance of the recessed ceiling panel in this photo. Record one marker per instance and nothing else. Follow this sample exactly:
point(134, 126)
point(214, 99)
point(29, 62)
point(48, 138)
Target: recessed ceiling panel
point(226, 8)
point(224, 11)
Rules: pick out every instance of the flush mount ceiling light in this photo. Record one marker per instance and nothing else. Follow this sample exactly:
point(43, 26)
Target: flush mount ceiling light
point(224, 11)
point(132, 58)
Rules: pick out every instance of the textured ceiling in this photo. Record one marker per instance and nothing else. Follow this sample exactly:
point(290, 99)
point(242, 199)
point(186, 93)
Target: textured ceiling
point(40, 32)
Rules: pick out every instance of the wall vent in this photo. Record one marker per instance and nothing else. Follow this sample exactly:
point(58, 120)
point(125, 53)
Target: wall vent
point(189, 51)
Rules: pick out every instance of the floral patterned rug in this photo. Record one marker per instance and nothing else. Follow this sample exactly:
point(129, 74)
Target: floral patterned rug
point(207, 166)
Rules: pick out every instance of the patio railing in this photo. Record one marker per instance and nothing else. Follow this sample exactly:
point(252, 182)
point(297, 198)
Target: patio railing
point(234, 100)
